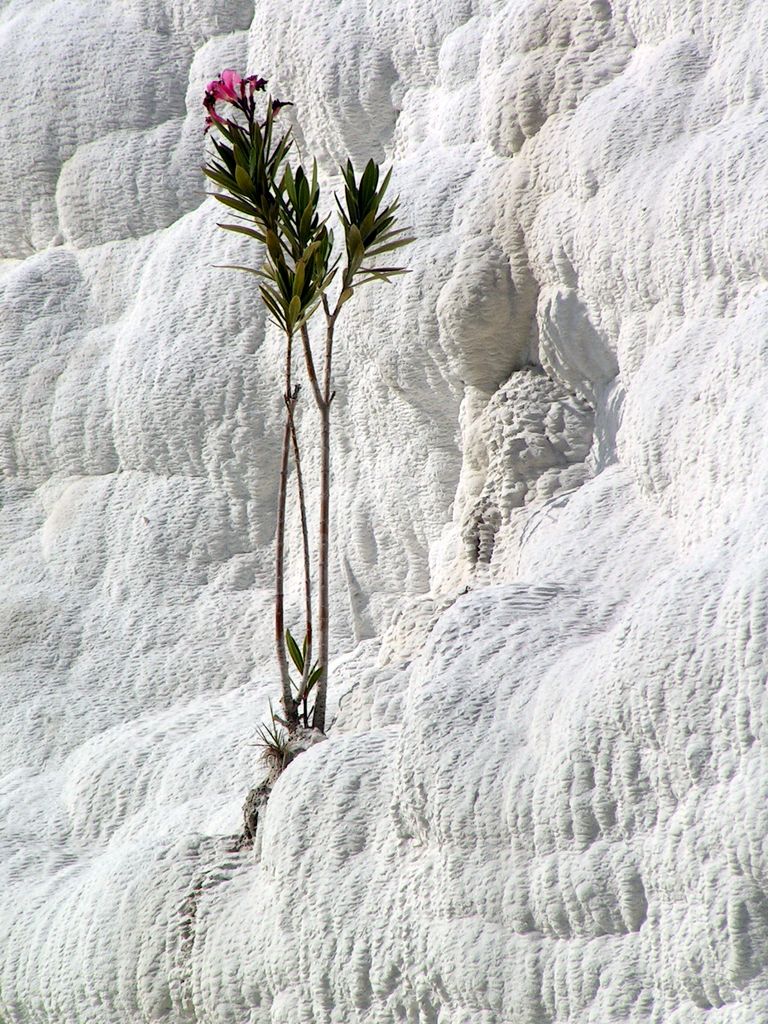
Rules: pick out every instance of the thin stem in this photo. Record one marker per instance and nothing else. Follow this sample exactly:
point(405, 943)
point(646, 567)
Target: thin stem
point(289, 705)
point(330, 319)
point(309, 360)
point(302, 695)
point(324, 406)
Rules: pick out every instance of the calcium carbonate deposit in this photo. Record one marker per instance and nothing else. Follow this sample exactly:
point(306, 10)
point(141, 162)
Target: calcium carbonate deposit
point(544, 797)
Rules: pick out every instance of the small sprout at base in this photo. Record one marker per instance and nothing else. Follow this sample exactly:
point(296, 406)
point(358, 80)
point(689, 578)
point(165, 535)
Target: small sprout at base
point(274, 739)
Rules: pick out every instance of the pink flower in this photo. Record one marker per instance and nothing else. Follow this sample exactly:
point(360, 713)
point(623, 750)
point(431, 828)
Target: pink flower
point(209, 102)
point(229, 87)
point(255, 83)
point(223, 87)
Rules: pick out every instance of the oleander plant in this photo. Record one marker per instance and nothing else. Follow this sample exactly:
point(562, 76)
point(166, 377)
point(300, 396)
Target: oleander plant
point(313, 256)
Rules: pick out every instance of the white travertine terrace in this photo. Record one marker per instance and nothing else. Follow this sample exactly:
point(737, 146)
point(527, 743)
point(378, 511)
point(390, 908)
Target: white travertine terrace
point(545, 795)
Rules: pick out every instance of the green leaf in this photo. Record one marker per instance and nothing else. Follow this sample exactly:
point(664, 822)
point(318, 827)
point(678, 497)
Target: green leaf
point(307, 312)
point(348, 173)
point(284, 280)
point(381, 226)
point(367, 223)
point(389, 246)
point(220, 177)
point(293, 649)
point(379, 275)
point(279, 154)
point(234, 204)
point(301, 182)
point(226, 155)
point(267, 126)
point(294, 309)
point(224, 130)
point(256, 158)
point(241, 153)
point(273, 306)
point(244, 231)
point(355, 248)
point(327, 280)
point(298, 278)
point(236, 266)
point(273, 244)
point(385, 270)
point(289, 184)
point(385, 183)
point(306, 222)
point(368, 182)
point(243, 179)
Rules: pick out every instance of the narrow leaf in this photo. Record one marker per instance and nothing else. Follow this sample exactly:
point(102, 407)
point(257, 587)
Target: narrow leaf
point(244, 231)
point(243, 179)
point(389, 246)
point(234, 204)
point(219, 176)
point(235, 266)
point(298, 278)
point(273, 244)
point(293, 649)
point(369, 181)
point(272, 306)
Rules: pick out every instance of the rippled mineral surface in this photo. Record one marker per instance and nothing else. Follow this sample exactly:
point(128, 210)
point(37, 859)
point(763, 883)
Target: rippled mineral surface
point(545, 793)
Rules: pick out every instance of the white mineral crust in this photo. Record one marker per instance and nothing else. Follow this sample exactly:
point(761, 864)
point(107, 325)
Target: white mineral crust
point(545, 794)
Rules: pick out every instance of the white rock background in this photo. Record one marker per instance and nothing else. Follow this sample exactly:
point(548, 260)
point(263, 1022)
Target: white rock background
point(544, 799)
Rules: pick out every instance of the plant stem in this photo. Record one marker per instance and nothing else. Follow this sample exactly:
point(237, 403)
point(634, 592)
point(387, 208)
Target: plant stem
point(311, 372)
point(302, 695)
point(324, 406)
point(289, 704)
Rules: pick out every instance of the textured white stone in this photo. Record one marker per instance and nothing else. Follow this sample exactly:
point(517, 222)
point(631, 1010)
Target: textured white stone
point(545, 796)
